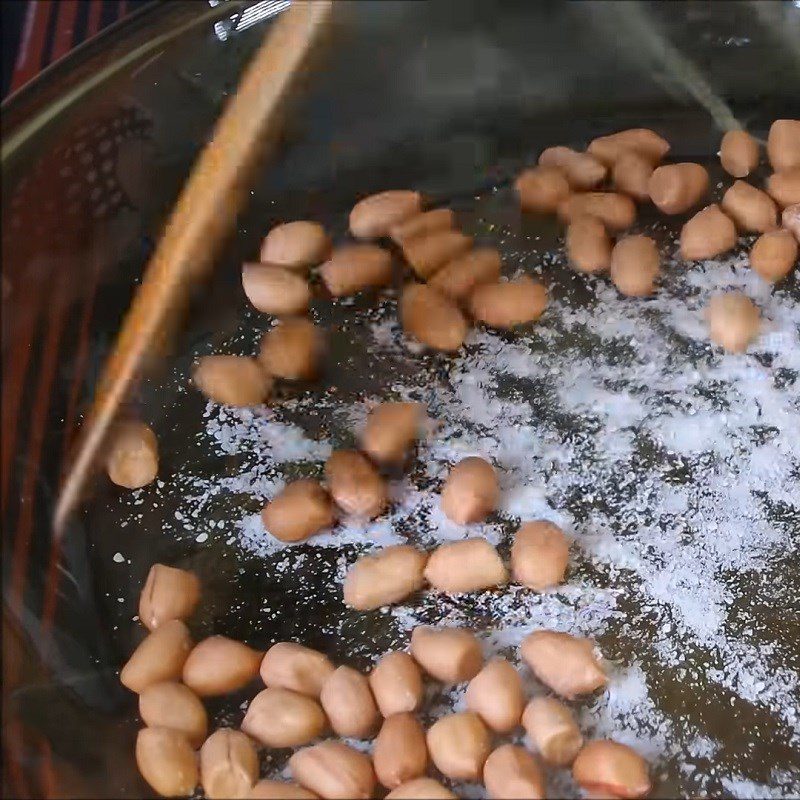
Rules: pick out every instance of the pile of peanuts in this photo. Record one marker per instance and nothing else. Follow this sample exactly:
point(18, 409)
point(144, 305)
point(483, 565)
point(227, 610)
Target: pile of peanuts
point(453, 283)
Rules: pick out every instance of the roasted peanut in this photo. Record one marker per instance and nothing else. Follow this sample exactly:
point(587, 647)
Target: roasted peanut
point(738, 153)
point(430, 252)
point(275, 290)
point(279, 790)
point(733, 321)
point(355, 485)
point(167, 762)
point(219, 665)
point(400, 753)
point(641, 140)
point(168, 593)
point(783, 144)
point(750, 208)
point(438, 219)
point(334, 771)
point(296, 245)
point(376, 215)
point(283, 718)
point(460, 276)
point(451, 655)
point(301, 509)
point(511, 772)
point(790, 219)
point(708, 233)
point(541, 189)
point(552, 728)
point(616, 211)
point(396, 684)
point(495, 695)
point(509, 303)
point(774, 254)
point(631, 175)
point(228, 765)
point(610, 769)
point(173, 705)
point(160, 657)
point(459, 745)
point(132, 459)
point(385, 577)
point(355, 267)
point(784, 187)
point(582, 170)
point(232, 380)
point(391, 430)
point(349, 704)
point(635, 265)
point(587, 244)
point(432, 317)
point(421, 789)
point(470, 565)
point(675, 188)
point(567, 664)
point(292, 350)
point(289, 665)
point(539, 555)
point(471, 491)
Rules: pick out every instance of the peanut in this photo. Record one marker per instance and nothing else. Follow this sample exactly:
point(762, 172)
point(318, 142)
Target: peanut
point(439, 219)
point(167, 762)
point(733, 321)
point(292, 350)
point(635, 265)
point(641, 140)
point(132, 460)
point(470, 565)
point(173, 705)
point(355, 485)
point(228, 765)
point(582, 170)
point(430, 252)
point(790, 219)
point(774, 254)
point(471, 491)
point(385, 577)
point(675, 188)
point(219, 665)
point(616, 211)
point(160, 657)
point(608, 768)
point(279, 790)
point(451, 655)
point(376, 215)
point(349, 704)
point(275, 290)
point(391, 430)
point(232, 380)
point(783, 144)
point(511, 772)
point(510, 303)
point(750, 208)
point(495, 695)
point(459, 745)
point(289, 665)
point(283, 718)
point(567, 664)
point(541, 189)
point(539, 555)
point(432, 317)
point(334, 771)
point(460, 276)
point(707, 234)
point(396, 684)
point(168, 593)
point(784, 187)
point(400, 753)
point(421, 789)
point(552, 728)
point(587, 244)
point(631, 175)
point(738, 153)
point(299, 510)
point(355, 267)
point(295, 245)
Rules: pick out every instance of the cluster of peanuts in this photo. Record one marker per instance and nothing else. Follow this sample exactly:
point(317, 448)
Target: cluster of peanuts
point(306, 697)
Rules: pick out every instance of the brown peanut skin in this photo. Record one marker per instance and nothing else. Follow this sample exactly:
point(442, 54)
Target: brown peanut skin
point(356, 267)
point(296, 245)
point(219, 665)
point(641, 140)
point(635, 265)
point(428, 253)
point(385, 577)
point(132, 460)
point(228, 765)
point(347, 700)
point(301, 509)
point(459, 277)
point(738, 153)
point(459, 745)
point(675, 188)
point(784, 187)
point(283, 718)
point(783, 144)
point(432, 318)
point(708, 233)
point(168, 593)
point(733, 321)
point(751, 209)
point(292, 350)
point(511, 772)
point(172, 705)
point(355, 485)
point(539, 555)
point(471, 491)
point(582, 170)
point(631, 175)
point(451, 655)
point(421, 789)
point(166, 761)
point(391, 430)
point(552, 728)
point(541, 189)
point(232, 380)
point(774, 254)
point(608, 768)
point(279, 790)
point(438, 219)
point(616, 211)
point(289, 665)
point(160, 657)
point(509, 303)
point(565, 663)
point(495, 694)
point(396, 683)
point(275, 290)
point(588, 245)
point(469, 565)
point(400, 753)
point(374, 216)
point(334, 771)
